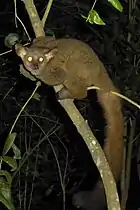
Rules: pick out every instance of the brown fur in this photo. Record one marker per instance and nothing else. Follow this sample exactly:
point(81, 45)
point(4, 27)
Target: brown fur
point(75, 65)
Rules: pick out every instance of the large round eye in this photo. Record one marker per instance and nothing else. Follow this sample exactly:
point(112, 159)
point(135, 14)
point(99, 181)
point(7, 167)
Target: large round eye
point(29, 58)
point(41, 59)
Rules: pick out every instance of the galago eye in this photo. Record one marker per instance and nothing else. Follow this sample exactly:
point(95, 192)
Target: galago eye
point(41, 59)
point(29, 58)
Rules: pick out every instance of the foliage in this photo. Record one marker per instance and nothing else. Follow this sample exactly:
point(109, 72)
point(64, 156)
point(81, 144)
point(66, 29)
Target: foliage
point(5, 176)
point(93, 16)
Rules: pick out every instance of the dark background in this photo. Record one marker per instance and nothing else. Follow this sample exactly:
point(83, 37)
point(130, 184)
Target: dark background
point(37, 183)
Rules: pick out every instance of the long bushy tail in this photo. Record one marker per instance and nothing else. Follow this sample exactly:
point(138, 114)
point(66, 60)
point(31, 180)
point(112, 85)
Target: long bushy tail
point(113, 147)
point(114, 143)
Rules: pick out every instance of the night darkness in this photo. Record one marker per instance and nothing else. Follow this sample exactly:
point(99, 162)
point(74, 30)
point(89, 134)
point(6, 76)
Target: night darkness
point(36, 185)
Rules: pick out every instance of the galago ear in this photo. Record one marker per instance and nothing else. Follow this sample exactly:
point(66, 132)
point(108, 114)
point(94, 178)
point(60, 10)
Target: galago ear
point(20, 50)
point(49, 55)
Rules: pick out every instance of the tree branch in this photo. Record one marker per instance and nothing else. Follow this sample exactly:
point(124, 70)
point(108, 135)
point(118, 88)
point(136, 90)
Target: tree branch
point(81, 125)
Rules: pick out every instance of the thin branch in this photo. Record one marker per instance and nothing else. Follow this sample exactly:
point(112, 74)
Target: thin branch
point(47, 12)
point(16, 17)
point(119, 95)
point(38, 84)
point(128, 165)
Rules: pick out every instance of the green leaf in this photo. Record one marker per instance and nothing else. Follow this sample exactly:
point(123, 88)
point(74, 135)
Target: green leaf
point(116, 4)
point(11, 162)
point(5, 194)
point(93, 17)
point(5, 188)
point(9, 142)
point(6, 203)
point(7, 175)
point(16, 151)
point(36, 96)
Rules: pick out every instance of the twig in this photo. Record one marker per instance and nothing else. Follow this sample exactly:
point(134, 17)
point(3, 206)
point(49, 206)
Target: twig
point(16, 17)
point(128, 165)
point(38, 84)
point(95, 1)
point(117, 94)
point(46, 12)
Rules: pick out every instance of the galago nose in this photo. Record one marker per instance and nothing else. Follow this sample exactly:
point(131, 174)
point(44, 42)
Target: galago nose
point(35, 66)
